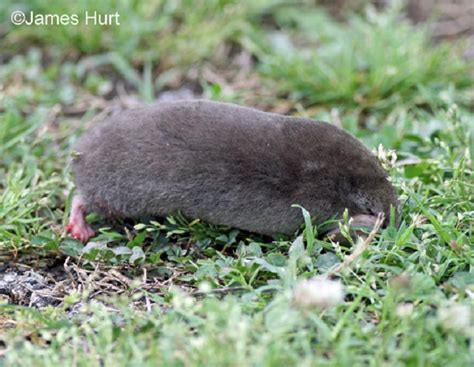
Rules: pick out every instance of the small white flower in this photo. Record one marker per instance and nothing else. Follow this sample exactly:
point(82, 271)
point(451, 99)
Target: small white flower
point(387, 158)
point(318, 293)
point(198, 342)
point(391, 70)
point(181, 300)
point(205, 287)
point(404, 310)
point(456, 317)
point(418, 220)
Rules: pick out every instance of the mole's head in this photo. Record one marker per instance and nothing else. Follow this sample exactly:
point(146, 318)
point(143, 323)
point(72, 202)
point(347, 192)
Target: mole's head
point(371, 197)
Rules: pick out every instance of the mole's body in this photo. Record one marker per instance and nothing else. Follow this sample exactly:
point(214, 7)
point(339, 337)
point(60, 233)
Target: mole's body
point(224, 164)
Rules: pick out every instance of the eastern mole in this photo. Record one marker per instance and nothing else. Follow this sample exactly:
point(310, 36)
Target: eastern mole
point(224, 164)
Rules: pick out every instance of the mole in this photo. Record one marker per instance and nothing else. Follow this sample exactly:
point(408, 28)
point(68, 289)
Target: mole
point(227, 165)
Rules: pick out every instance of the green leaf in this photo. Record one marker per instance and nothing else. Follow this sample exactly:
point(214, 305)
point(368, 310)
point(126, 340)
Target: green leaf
point(297, 249)
point(462, 279)
point(121, 250)
point(309, 229)
point(137, 255)
point(326, 261)
point(71, 247)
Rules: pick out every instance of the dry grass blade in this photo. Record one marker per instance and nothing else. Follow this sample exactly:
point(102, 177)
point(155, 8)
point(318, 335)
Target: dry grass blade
point(360, 247)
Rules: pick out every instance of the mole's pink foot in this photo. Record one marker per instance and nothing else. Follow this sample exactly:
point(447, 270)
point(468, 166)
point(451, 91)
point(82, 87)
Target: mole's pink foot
point(78, 227)
point(80, 231)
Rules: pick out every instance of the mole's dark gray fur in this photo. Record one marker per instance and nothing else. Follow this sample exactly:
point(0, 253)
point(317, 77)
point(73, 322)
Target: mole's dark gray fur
point(227, 165)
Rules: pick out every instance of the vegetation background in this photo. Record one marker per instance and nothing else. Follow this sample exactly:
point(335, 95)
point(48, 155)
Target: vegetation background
point(172, 292)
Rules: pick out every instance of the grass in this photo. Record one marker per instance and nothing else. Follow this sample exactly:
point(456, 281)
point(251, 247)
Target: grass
point(376, 62)
point(178, 292)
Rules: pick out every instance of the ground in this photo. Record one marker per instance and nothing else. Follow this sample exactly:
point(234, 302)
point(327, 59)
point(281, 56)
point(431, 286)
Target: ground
point(180, 292)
